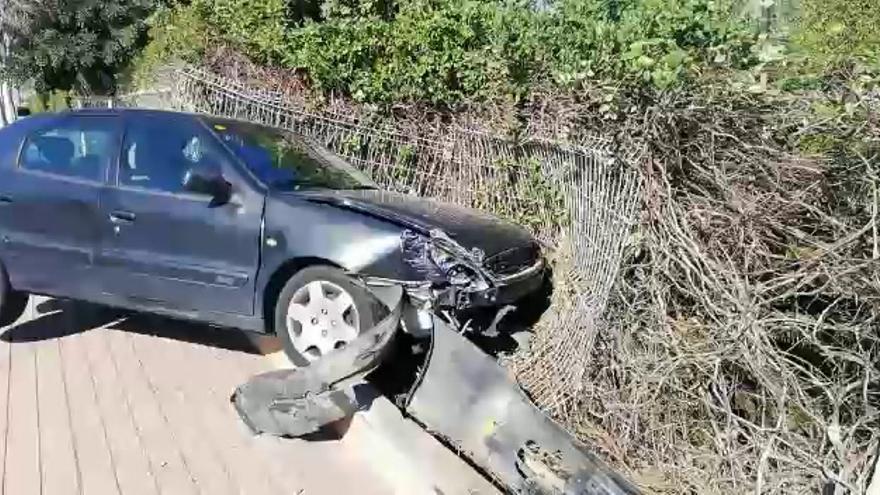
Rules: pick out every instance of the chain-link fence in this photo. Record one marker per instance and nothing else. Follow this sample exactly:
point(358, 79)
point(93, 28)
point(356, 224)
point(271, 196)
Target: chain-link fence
point(579, 199)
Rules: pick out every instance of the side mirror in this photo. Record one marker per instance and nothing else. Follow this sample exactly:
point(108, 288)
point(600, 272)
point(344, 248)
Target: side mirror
point(207, 180)
point(23, 111)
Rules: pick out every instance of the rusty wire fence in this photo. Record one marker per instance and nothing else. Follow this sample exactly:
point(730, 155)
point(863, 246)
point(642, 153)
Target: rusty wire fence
point(580, 199)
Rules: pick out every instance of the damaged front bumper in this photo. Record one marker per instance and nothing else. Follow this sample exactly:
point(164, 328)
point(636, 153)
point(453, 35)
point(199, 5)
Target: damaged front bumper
point(459, 394)
point(454, 278)
point(459, 278)
point(297, 402)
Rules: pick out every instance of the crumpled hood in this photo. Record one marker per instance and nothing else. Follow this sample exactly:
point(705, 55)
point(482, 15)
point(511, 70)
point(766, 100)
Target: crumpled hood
point(468, 227)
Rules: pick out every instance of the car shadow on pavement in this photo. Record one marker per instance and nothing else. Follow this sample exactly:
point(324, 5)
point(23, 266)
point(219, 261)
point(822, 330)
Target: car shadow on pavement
point(230, 339)
point(55, 318)
point(58, 318)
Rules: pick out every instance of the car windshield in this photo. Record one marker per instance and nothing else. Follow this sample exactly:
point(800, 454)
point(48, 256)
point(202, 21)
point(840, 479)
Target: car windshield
point(285, 161)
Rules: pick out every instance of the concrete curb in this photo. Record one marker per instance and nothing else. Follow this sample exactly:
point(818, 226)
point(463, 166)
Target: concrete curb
point(408, 457)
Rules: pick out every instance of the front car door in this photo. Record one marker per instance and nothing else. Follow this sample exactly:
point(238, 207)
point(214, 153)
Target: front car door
point(165, 247)
point(49, 204)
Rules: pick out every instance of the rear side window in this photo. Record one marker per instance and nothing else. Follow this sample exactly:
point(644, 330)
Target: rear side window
point(78, 147)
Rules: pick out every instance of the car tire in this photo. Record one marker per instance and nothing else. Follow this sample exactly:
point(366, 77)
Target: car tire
point(315, 327)
point(12, 302)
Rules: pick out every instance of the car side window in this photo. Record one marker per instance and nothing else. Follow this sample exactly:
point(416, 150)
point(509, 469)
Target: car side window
point(157, 152)
point(78, 147)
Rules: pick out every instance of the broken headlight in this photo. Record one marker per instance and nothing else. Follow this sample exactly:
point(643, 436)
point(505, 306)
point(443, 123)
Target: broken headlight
point(456, 271)
point(441, 260)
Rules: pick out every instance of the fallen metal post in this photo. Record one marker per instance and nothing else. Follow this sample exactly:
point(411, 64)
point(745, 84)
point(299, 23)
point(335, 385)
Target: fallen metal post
point(464, 397)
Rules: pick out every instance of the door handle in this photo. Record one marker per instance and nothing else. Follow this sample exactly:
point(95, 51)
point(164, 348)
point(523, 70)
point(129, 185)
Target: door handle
point(122, 217)
point(5, 200)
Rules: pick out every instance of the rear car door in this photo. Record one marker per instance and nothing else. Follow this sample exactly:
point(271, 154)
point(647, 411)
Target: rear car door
point(49, 202)
point(163, 246)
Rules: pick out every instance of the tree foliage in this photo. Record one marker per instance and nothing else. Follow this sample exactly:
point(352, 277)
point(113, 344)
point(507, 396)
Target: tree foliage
point(81, 44)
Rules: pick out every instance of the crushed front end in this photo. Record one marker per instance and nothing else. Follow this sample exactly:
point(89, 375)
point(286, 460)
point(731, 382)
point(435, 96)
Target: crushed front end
point(457, 278)
point(454, 390)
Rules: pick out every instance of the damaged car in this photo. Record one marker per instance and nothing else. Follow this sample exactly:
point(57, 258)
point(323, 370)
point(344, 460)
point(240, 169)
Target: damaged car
point(237, 225)
point(240, 225)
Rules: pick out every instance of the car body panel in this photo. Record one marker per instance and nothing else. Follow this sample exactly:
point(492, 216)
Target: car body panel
point(209, 263)
point(181, 251)
point(298, 229)
point(50, 223)
point(470, 228)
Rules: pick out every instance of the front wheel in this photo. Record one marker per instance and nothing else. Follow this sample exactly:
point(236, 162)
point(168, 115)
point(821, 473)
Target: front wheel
point(319, 310)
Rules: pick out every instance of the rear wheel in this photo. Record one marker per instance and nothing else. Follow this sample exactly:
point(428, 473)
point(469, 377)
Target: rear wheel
point(319, 310)
point(12, 302)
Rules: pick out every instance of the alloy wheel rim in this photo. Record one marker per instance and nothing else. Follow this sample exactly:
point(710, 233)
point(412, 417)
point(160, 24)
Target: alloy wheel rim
point(321, 318)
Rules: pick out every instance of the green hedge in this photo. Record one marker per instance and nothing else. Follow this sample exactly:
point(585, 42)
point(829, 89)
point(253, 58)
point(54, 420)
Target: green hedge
point(840, 29)
point(448, 51)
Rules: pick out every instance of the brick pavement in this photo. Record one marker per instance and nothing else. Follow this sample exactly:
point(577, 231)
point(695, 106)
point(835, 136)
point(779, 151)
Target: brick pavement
point(93, 402)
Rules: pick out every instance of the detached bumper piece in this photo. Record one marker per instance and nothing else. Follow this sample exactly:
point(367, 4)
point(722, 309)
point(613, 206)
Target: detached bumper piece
point(297, 402)
point(461, 396)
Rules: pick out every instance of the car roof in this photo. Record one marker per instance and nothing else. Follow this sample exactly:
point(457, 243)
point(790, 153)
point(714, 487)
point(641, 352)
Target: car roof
point(125, 110)
point(210, 119)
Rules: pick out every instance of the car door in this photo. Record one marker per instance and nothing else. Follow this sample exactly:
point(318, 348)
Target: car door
point(49, 204)
point(167, 247)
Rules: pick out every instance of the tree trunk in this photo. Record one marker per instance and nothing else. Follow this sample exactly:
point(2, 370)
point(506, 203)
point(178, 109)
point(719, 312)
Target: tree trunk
point(7, 104)
point(9, 95)
point(3, 110)
point(6, 117)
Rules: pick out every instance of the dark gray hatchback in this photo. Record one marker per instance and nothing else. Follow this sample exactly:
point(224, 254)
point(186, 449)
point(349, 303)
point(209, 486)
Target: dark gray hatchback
point(232, 224)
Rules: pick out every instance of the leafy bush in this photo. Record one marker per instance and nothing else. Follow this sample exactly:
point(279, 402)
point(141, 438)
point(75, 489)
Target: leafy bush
point(175, 33)
point(54, 101)
point(258, 26)
point(448, 51)
point(839, 29)
point(659, 41)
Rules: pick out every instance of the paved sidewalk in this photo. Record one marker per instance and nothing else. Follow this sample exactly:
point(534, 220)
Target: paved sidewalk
point(94, 402)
